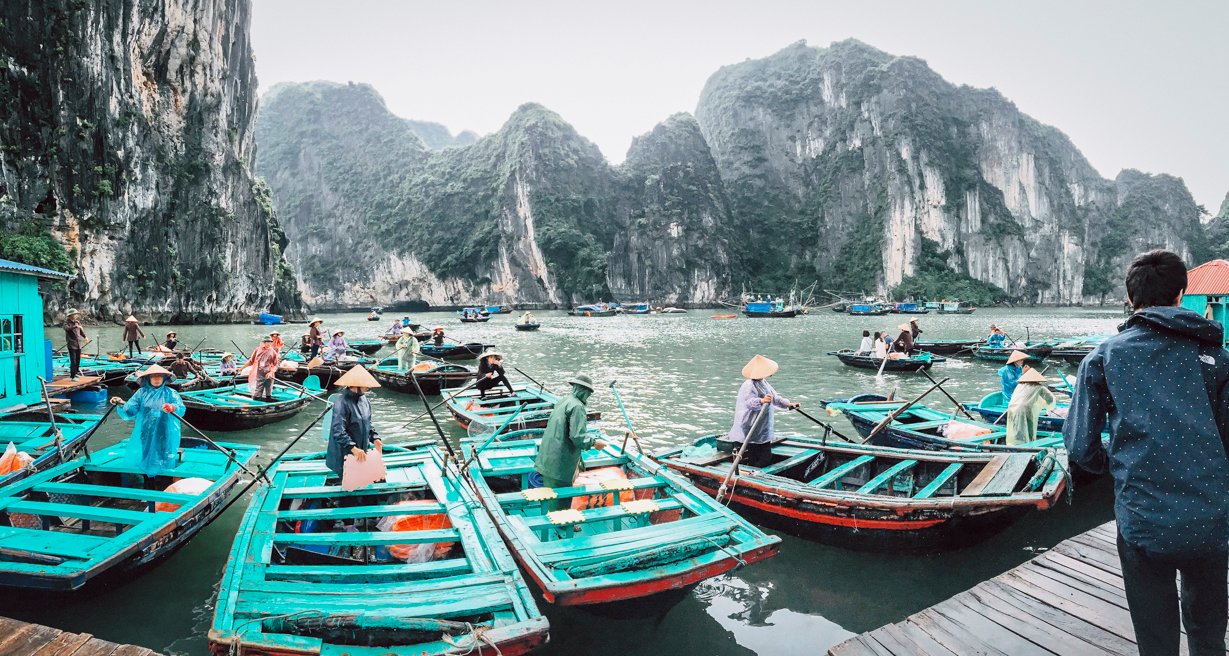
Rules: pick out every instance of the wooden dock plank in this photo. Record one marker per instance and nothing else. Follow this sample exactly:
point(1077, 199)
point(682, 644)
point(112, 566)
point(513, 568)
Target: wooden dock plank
point(1068, 601)
point(24, 639)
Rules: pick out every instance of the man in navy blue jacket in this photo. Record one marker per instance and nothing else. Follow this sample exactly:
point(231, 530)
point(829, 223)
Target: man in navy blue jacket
point(1163, 382)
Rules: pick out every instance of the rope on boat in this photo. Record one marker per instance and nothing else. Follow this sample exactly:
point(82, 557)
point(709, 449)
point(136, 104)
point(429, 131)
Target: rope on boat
point(234, 648)
point(732, 554)
point(477, 636)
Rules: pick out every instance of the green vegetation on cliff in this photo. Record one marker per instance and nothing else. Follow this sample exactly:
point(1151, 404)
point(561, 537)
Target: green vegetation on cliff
point(935, 279)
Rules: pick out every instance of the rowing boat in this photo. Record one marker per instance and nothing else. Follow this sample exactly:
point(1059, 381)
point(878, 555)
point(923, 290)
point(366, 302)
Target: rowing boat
point(524, 327)
point(915, 362)
point(1036, 352)
point(233, 408)
point(426, 572)
point(993, 406)
point(531, 408)
point(660, 534)
point(867, 310)
point(100, 515)
point(947, 346)
point(878, 498)
point(431, 377)
point(32, 434)
point(467, 351)
point(366, 346)
point(600, 310)
point(921, 427)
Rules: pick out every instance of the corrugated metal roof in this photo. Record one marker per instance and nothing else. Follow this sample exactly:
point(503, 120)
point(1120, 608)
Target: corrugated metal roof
point(1208, 279)
point(17, 267)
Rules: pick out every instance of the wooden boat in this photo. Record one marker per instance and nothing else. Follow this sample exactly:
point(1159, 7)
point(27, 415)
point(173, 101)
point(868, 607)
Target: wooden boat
point(673, 310)
point(867, 310)
point(498, 309)
point(525, 327)
point(774, 310)
point(531, 408)
point(1072, 355)
point(432, 377)
point(663, 534)
point(955, 308)
point(1036, 351)
point(911, 308)
point(993, 406)
point(110, 371)
point(599, 310)
point(294, 584)
point(367, 346)
point(947, 346)
point(192, 382)
point(724, 316)
point(94, 516)
point(877, 498)
point(467, 351)
point(233, 408)
point(30, 432)
point(919, 360)
point(473, 318)
point(635, 308)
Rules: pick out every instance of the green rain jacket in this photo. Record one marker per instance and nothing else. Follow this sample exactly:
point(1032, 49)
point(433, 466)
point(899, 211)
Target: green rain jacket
point(565, 437)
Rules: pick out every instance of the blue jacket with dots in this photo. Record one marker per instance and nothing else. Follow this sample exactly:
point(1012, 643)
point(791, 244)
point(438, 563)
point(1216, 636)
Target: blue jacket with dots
point(1163, 383)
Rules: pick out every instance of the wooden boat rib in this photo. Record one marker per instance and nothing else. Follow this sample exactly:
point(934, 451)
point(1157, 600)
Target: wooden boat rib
point(663, 534)
point(30, 432)
point(432, 379)
point(914, 362)
point(532, 408)
point(233, 408)
point(294, 586)
point(92, 516)
point(993, 406)
point(947, 346)
point(878, 498)
point(467, 351)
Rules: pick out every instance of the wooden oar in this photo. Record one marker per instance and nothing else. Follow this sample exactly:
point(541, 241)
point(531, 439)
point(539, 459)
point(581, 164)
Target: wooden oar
point(959, 405)
point(531, 379)
point(887, 421)
point(883, 364)
point(240, 349)
point(755, 426)
point(59, 436)
point(443, 436)
point(631, 432)
point(826, 426)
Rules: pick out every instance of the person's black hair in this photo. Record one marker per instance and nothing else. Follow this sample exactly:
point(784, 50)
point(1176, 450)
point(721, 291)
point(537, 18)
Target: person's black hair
point(878, 334)
point(1155, 279)
point(866, 333)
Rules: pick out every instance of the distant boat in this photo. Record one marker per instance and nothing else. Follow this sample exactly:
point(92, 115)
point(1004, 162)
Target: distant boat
point(912, 363)
point(269, 319)
point(498, 309)
point(774, 309)
point(868, 309)
point(635, 308)
point(673, 310)
point(955, 308)
point(596, 310)
point(947, 346)
point(911, 308)
point(528, 326)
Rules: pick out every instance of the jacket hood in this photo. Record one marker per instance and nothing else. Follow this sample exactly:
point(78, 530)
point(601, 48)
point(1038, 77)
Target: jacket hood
point(1178, 320)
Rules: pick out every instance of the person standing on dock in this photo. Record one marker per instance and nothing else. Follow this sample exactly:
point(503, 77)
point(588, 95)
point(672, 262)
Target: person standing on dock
point(1009, 374)
point(755, 394)
point(153, 445)
point(262, 366)
point(350, 431)
point(1030, 398)
point(565, 437)
point(74, 341)
point(491, 373)
point(133, 335)
point(315, 339)
point(407, 350)
point(1163, 383)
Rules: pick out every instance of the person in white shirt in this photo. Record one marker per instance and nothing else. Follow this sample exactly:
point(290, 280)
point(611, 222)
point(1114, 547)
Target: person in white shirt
point(866, 346)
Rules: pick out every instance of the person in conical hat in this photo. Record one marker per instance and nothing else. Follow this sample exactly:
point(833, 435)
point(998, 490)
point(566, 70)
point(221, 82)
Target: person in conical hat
point(337, 346)
point(1009, 374)
point(755, 395)
point(406, 349)
point(153, 445)
point(278, 344)
point(565, 438)
point(914, 330)
point(1030, 399)
point(904, 341)
point(74, 340)
point(315, 338)
point(350, 430)
point(228, 366)
point(262, 367)
point(491, 373)
point(133, 335)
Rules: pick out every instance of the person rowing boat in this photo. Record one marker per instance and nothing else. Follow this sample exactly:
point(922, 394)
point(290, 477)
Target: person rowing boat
point(565, 437)
point(754, 394)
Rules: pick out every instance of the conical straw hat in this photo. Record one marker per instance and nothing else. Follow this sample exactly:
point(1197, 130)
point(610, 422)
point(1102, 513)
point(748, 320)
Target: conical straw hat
point(1017, 356)
point(1032, 376)
point(130, 318)
point(903, 326)
point(357, 377)
point(154, 369)
point(759, 367)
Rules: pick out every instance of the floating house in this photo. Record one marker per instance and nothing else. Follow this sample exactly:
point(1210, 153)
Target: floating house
point(1207, 292)
point(23, 352)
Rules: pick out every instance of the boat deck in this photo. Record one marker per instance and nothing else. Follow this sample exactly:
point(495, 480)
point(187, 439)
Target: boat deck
point(21, 638)
point(1068, 601)
point(65, 385)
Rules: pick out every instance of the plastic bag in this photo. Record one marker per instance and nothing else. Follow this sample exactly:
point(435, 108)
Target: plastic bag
point(958, 430)
point(698, 452)
point(13, 460)
point(416, 553)
point(193, 486)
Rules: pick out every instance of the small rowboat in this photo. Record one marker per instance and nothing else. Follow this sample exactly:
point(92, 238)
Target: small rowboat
point(922, 360)
point(877, 498)
point(954, 308)
point(523, 327)
point(948, 346)
point(724, 316)
point(1036, 351)
point(366, 346)
point(233, 408)
point(993, 406)
point(498, 309)
point(602, 310)
point(660, 534)
point(467, 351)
point(425, 574)
point(431, 377)
point(673, 310)
point(94, 516)
point(867, 310)
point(530, 407)
point(475, 318)
point(1072, 355)
point(32, 434)
point(635, 308)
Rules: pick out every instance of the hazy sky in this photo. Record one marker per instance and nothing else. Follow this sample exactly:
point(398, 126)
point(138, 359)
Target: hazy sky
point(1134, 84)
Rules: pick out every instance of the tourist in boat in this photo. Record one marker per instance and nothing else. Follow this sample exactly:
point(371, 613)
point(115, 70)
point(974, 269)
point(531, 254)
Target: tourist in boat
point(565, 437)
point(1163, 384)
point(904, 341)
point(153, 445)
point(880, 347)
point(491, 373)
point(867, 346)
point(1009, 374)
point(1029, 400)
point(437, 336)
point(278, 344)
point(406, 350)
point(350, 431)
point(754, 394)
point(262, 366)
point(228, 366)
point(337, 346)
point(405, 321)
point(172, 341)
point(74, 341)
point(315, 338)
point(133, 335)
point(997, 338)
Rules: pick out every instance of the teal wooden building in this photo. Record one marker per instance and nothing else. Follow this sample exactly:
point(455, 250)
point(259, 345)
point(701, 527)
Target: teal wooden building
point(1207, 292)
point(23, 354)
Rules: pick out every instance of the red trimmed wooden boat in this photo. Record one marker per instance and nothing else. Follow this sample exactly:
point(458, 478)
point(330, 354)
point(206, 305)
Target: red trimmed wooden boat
point(432, 377)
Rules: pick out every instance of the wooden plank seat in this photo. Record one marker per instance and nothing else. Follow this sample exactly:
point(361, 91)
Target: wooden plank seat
point(514, 499)
point(841, 471)
point(984, 477)
point(797, 459)
point(418, 508)
point(939, 481)
point(621, 541)
point(52, 543)
point(887, 475)
point(602, 514)
point(499, 466)
point(370, 538)
point(1008, 476)
point(460, 586)
point(318, 466)
point(89, 513)
point(442, 604)
point(364, 573)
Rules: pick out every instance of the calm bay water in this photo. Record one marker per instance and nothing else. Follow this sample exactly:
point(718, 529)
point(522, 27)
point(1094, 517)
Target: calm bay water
point(678, 375)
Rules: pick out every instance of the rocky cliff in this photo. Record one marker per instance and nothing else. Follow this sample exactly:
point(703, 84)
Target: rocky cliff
point(127, 132)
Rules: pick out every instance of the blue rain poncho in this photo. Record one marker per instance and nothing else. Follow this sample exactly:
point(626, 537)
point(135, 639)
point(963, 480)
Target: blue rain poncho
point(1009, 375)
point(154, 444)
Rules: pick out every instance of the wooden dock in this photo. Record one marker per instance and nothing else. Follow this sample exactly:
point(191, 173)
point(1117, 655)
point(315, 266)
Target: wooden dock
point(1068, 601)
point(23, 639)
point(65, 385)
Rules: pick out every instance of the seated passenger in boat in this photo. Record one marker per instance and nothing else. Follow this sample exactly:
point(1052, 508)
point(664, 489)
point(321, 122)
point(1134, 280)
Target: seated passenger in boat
point(437, 336)
point(866, 347)
point(491, 373)
point(183, 367)
point(229, 367)
point(904, 341)
point(997, 338)
point(755, 397)
point(1009, 374)
point(880, 347)
point(1030, 398)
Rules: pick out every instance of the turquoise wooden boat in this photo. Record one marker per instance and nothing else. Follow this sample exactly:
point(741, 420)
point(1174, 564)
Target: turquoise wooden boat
point(192, 382)
point(31, 433)
point(879, 498)
point(295, 583)
point(531, 406)
point(366, 346)
point(233, 408)
point(1037, 352)
point(663, 534)
point(108, 371)
point(993, 406)
point(93, 515)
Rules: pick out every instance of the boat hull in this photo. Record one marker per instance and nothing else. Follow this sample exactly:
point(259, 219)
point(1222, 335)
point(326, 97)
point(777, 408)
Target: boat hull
point(784, 314)
point(468, 351)
point(1036, 354)
point(951, 347)
point(592, 313)
point(430, 383)
point(212, 417)
point(525, 327)
point(892, 364)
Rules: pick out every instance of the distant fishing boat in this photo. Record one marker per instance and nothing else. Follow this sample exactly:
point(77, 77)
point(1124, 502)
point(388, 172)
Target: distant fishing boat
point(432, 377)
point(233, 408)
point(467, 351)
point(673, 310)
point(473, 315)
point(769, 310)
point(993, 406)
point(598, 310)
point(921, 360)
point(269, 319)
point(954, 308)
point(528, 326)
point(912, 308)
point(531, 408)
point(498, 309)
point(632, 530)
point(1036, 352)
point(635, 308)
point(877, 498)
point(94, 516)
point(867, 309)
point(32, 434)
point(948, 346)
